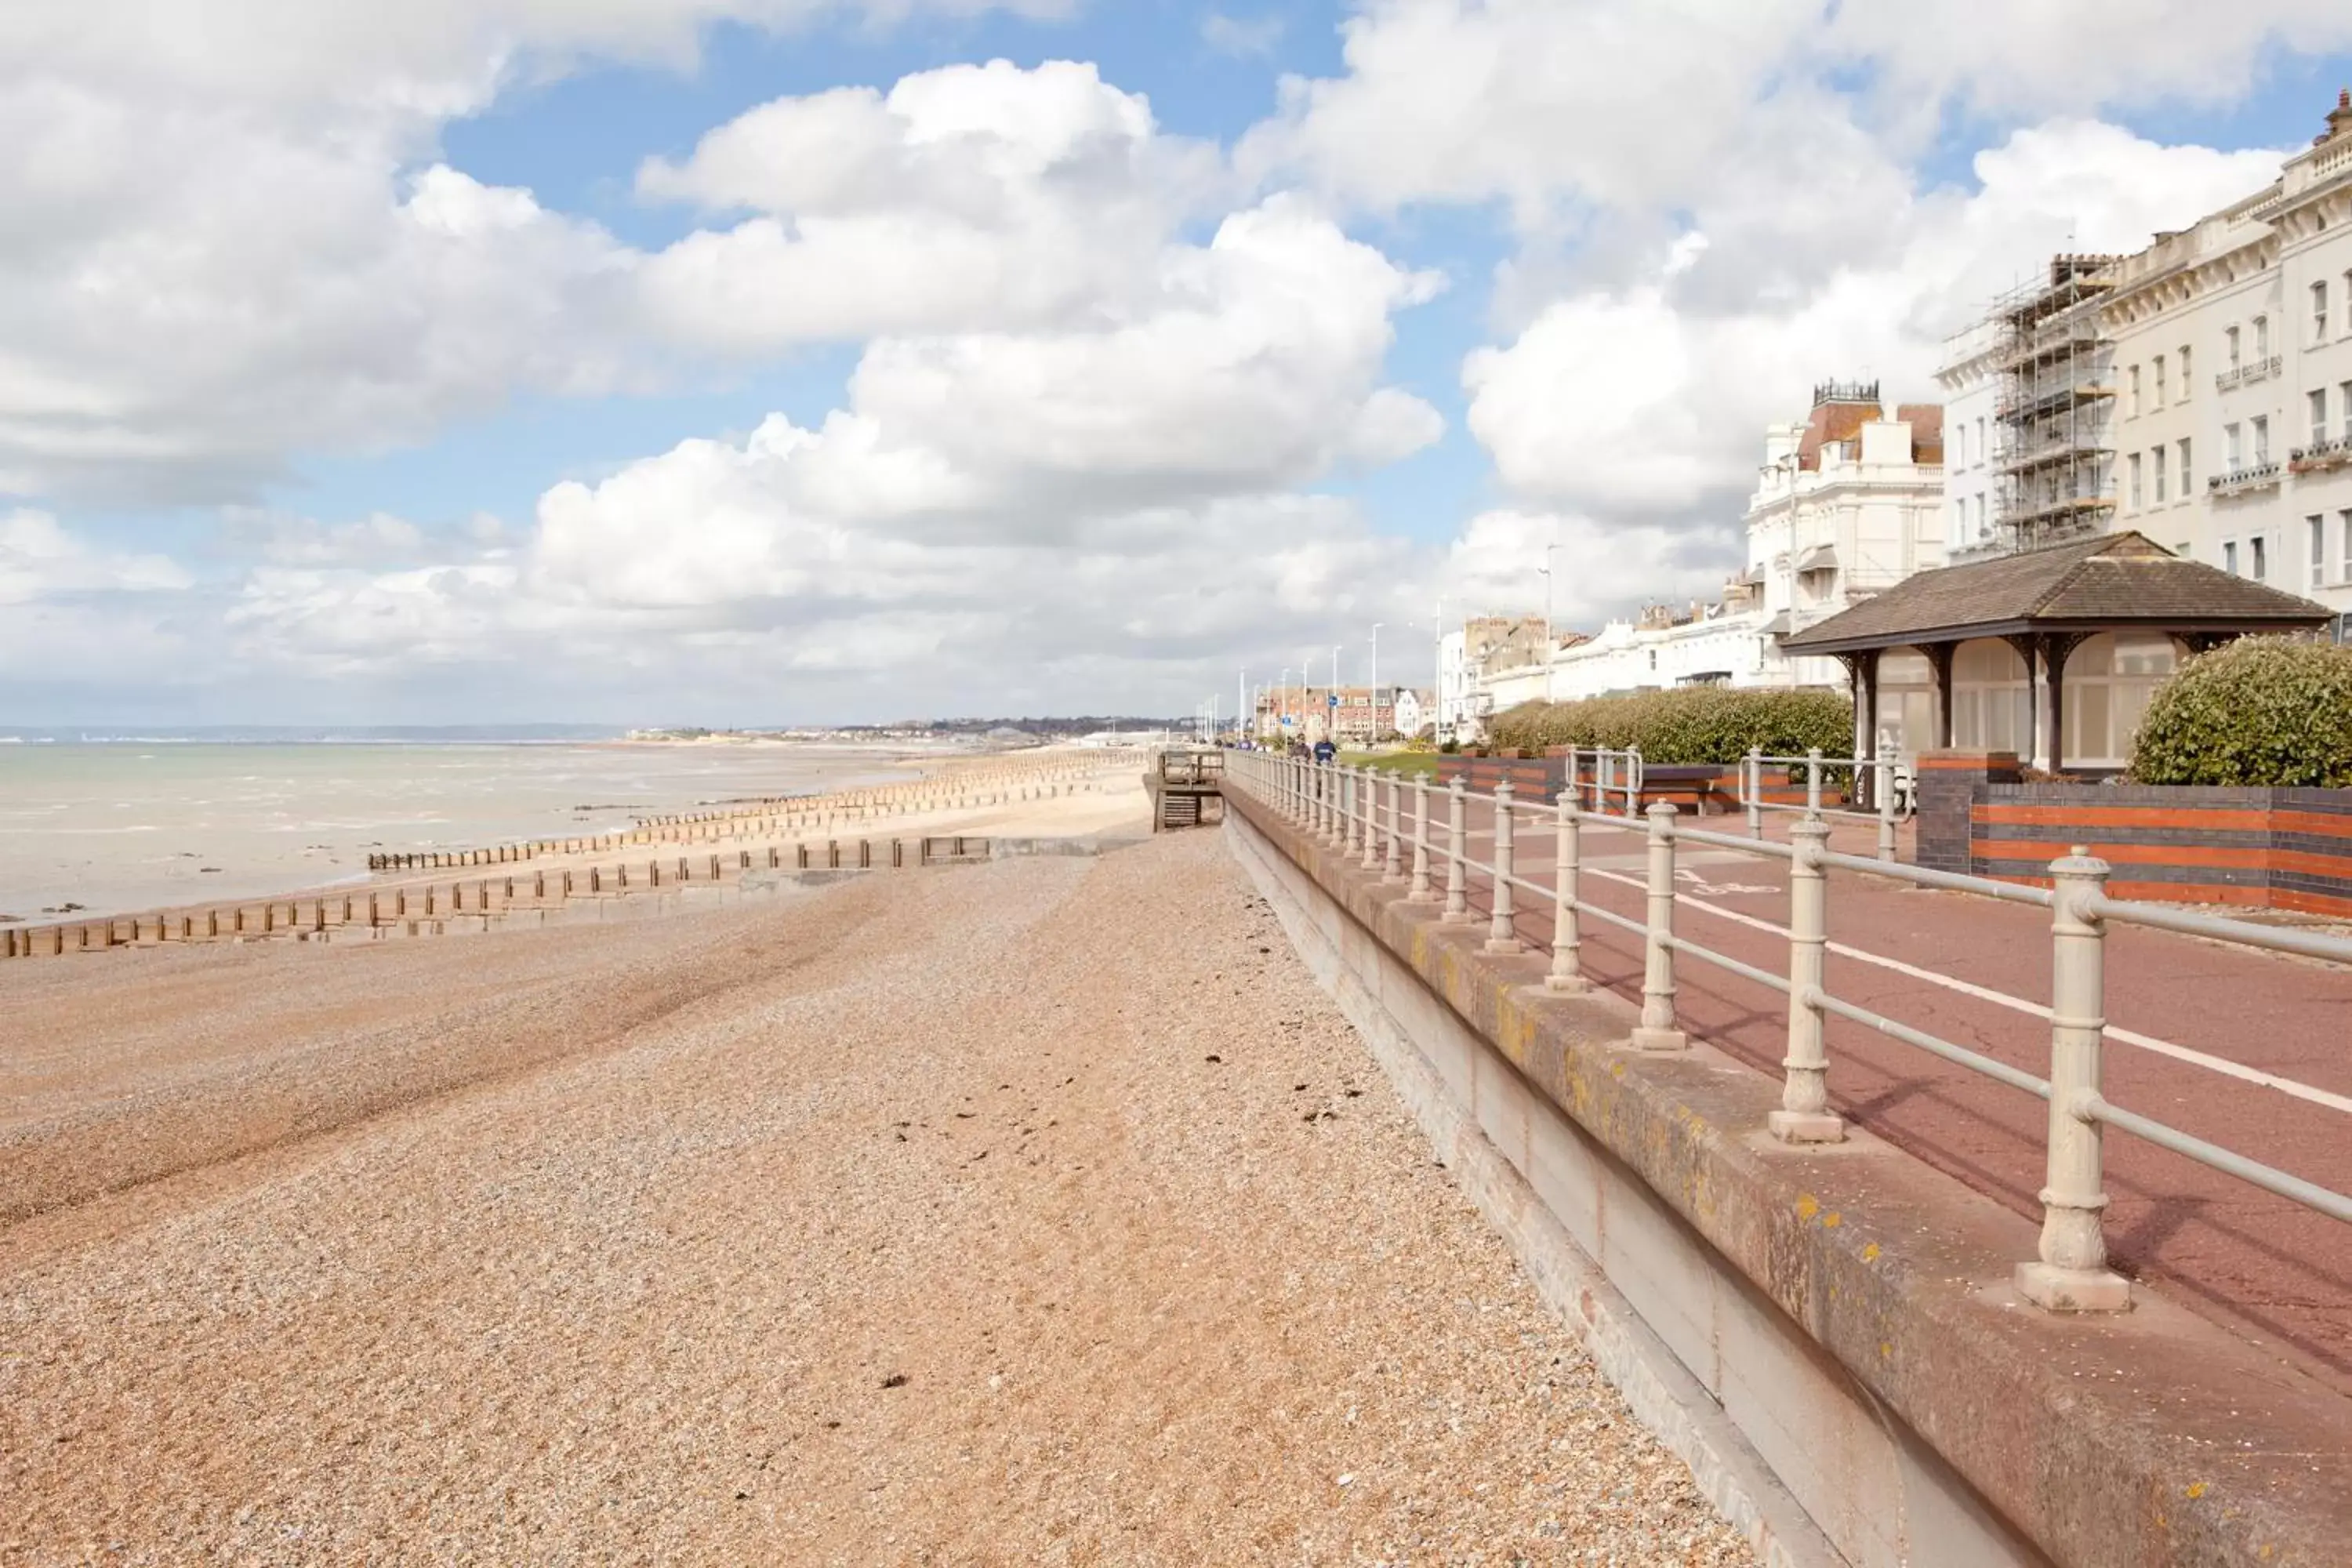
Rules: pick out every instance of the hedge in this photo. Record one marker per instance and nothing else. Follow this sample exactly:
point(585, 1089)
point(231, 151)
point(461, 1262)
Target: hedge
point(1689, 724)
point(2262, 712)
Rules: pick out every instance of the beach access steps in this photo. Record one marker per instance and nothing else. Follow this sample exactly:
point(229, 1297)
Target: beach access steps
point(1183, 782)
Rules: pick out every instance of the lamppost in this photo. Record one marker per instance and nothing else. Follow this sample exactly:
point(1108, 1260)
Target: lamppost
point(1548, 580)
point(1335, 694)
point(1281, 700)
point(1372, 722)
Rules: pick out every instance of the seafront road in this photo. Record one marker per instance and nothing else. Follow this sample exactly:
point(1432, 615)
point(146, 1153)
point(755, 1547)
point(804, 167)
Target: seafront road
point(2268, 1269)
point(1039, 1211)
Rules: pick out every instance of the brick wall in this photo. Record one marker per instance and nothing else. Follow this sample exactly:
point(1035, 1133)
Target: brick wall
point(2257, 849)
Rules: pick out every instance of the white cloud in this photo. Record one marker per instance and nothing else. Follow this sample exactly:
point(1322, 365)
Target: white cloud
point(966, 197)
point(40, 560)
point(1243, 37)
point(229, 240)
point(1603, 566)
point(1646, 400)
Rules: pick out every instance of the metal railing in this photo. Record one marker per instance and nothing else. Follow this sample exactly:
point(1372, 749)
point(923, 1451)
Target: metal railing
point(1363, 813)
point(1892, 798)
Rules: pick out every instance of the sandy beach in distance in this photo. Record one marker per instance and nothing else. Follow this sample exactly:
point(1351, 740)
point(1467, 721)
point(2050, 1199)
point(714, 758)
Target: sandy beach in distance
point(1040, 1211)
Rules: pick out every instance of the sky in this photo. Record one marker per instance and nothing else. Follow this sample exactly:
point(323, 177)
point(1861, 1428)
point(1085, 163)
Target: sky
point(766, 362)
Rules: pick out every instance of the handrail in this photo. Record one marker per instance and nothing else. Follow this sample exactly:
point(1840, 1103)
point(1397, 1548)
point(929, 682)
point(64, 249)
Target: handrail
point(1362, 814)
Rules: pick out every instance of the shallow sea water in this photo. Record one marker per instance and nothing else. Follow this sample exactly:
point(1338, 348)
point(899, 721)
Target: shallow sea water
point(135, 825)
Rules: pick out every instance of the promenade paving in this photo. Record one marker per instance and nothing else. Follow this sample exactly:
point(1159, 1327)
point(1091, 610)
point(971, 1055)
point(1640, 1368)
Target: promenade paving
point(2269, 1269)
point(1045, 1212)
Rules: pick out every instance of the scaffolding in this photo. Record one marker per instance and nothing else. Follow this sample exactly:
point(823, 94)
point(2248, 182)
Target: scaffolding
point(2055, 407)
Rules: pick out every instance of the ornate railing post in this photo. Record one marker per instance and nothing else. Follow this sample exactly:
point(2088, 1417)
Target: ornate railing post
point(1657, 1031)
point(2071, 1273)
point(1500, 936)
point(1568, 859)
point(1804, 1116)
point(1457, 873)
point(1752, 789)
point(1392, 866)
point(1421, 893)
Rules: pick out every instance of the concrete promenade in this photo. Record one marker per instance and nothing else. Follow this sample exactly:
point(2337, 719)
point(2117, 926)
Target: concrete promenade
point(1045, 1212)
point(2266, 1268)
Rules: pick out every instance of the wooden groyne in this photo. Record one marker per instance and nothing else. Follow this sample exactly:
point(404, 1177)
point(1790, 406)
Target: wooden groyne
point(545, 897)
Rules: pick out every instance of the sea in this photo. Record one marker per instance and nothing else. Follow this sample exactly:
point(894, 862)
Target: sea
point(114, 824)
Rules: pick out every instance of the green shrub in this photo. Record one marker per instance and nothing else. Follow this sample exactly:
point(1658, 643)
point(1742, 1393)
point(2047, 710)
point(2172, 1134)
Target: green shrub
point(1689, 724)
point(2260, 712)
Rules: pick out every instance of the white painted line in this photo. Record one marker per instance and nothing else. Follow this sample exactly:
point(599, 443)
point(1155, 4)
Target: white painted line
point(2287, 1086)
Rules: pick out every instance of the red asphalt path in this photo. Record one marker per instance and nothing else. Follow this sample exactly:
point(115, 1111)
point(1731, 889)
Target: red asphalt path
point(2267, 1268)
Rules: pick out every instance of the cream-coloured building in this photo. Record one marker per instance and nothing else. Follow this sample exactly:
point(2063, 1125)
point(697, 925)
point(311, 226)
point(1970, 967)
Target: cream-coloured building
point(1969, 377)
point(2232, 343)
point(1848, 502)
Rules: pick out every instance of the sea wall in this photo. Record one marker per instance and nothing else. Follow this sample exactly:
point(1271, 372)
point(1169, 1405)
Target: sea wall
point(1827, 1331)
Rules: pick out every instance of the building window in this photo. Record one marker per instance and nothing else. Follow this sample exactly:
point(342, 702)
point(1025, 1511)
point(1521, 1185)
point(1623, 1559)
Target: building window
point(2318, 527)
point(2319, 312)
point(2156, 460)
point(2262, 339)
point(2258, 553)
point(2131, 401)
point(2110, 680)
point(2233, 447)
point(2344, 407)
point(2134, 482)
point(2185, 382)
point(2187, 478)
point(1980, 440)
point(2343, 541)
point(2229, 557)
point(2160, 381)
point(2262, 424)
point(1993, 702)
point(2318, 416)
point(2233, 336)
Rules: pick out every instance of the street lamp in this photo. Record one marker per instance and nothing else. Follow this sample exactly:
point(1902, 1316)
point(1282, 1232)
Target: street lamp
point(1372, 721)
point(1548, 580)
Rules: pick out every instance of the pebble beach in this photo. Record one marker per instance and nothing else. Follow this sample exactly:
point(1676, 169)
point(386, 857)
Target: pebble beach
point(1039, 1211)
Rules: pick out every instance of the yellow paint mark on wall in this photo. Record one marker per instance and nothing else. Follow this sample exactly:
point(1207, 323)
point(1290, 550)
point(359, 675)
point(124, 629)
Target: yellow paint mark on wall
point(2194, 1490)
point(1885, 1351)
point(1870, 1252)
point(1808, 1206)
point(1833, 1219)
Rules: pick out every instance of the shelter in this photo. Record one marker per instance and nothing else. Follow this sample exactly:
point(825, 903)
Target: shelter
point(2052, 654)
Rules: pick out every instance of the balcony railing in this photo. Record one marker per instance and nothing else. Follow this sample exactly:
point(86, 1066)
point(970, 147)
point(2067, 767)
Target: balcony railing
point(2261, 476)
point(2320, 456)
point(2248, 373)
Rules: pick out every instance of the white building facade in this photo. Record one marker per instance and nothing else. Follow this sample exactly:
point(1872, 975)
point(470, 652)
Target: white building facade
point(1847, 502)
point(2237, 449)
point(1972, 383)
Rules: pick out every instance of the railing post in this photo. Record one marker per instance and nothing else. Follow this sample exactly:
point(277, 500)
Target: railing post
point(2071, 1273)
point(1601, 776)
point(1813, 781)
point(1752, 788)
point(1369, 789)
point(1500, 936)
point(1884, 784)
point(1657, 1031)
point(1804, 1116)
point(1632, 782)
point(1567, 860)
point(1392, 866)
point(1421, 893)
point(1458, 874)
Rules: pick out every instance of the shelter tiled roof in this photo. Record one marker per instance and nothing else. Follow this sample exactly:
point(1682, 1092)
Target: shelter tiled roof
point(2110, 580)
